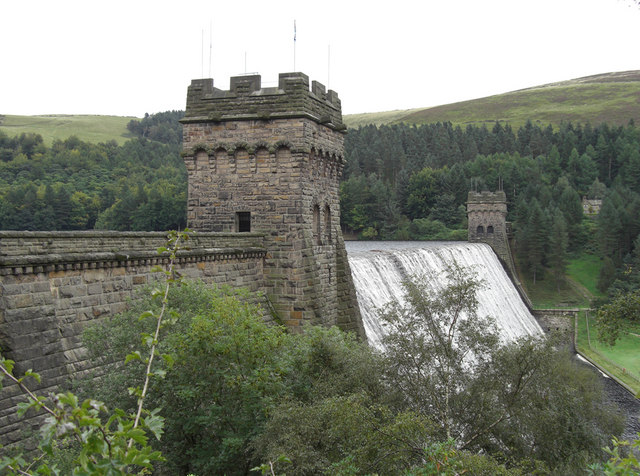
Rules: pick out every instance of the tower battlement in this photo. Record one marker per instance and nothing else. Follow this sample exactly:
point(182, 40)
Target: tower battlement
point(487, 197)
point(246, 99)
point(487, 218)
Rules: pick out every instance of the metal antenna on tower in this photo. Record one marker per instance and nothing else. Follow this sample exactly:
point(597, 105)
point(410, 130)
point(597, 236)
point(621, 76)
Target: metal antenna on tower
point(294, 45)
point(328, 66)
point(210, 44)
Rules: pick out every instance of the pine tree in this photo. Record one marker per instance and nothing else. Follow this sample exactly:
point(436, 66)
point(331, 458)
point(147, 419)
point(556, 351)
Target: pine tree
point(559, 242)
point(609, 229)
point(537, 230)
point(62, 208)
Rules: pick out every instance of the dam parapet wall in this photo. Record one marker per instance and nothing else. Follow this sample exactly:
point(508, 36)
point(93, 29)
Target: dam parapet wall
point(53, 284)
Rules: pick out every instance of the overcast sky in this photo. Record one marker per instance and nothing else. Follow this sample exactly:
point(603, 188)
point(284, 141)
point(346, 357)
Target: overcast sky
point(130, 57)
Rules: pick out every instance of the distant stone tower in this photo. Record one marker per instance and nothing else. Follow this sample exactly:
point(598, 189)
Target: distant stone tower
point(487, 217)
point(268, 161)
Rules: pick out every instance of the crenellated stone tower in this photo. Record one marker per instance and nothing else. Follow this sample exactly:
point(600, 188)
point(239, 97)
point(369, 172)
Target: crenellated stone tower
point(268, 161)
point(487, 217)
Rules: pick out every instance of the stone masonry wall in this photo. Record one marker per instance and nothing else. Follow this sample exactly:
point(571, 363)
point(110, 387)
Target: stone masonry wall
point(55, 283)
point(277, 155)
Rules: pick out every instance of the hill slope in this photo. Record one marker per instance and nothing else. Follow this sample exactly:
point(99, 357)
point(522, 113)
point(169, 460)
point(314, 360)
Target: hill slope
point(92, 129)
point(609, 97)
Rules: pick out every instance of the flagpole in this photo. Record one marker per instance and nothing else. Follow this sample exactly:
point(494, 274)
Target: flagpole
point(210, 44)
point(328, 66)
point(294, 45)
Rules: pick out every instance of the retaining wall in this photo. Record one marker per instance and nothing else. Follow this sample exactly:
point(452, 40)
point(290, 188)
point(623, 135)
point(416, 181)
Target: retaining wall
point(52, 284)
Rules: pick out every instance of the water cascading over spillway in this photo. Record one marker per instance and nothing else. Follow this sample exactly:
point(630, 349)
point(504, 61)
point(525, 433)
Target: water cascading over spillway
point(379, 268)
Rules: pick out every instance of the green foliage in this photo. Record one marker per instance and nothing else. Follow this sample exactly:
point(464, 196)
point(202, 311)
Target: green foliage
point(431, 342)
point(623, 459)
point(333, 415)
point(235, 377)
point(345, 435)
point(559, 243)
point(162, 127)
point(443, 458)
point(614, 316)
point(75, 185)
point(535, 236)
point(225, 363)
point(107, 442)
point(526, 399)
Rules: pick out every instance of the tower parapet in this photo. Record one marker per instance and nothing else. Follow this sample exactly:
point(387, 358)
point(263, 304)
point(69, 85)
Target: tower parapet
point(247, 100)
point(269, 160)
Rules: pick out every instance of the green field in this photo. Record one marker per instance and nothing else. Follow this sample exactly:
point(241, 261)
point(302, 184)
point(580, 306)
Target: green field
point(93, 129)
point(612, 98)
point(578, 289)
point(546, 294)
point(622, 360)
point(585, 270)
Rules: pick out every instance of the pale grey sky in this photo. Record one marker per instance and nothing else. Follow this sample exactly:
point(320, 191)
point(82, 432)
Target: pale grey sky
point(130, 57)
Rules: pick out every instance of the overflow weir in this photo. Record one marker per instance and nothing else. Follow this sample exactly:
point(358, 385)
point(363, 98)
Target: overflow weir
point(379, 268)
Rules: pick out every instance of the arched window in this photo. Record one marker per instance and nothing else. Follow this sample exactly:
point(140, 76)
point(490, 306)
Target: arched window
point(316, 225)
point(489, 229)
point(263, 159)
point(202, 160)
point(480, 230)
point(243, 163)
point(283, 159)
point(327, 223)
point(221, 161)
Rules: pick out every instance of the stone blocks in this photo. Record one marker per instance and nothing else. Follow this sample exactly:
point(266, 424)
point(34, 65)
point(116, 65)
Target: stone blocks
point(45, 308)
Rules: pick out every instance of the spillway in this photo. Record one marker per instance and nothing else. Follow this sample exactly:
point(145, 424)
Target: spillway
point(379, 268)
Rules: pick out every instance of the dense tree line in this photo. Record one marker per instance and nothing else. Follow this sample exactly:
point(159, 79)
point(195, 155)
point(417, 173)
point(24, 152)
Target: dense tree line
point(400, 182)
point(411, 182)
point(162, 127)
point(75, 185)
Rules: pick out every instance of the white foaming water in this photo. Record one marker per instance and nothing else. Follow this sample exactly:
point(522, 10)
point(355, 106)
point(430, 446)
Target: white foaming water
point(378, 269)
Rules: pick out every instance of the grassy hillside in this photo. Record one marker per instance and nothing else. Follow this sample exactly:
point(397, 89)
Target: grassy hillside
point(87, 128)
point(610, 97)
point(378, 118)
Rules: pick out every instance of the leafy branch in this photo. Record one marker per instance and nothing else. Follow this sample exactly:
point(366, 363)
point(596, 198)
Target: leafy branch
point(116, 445)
